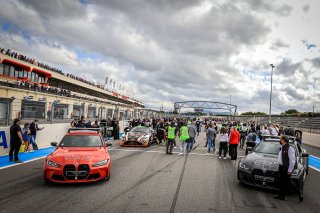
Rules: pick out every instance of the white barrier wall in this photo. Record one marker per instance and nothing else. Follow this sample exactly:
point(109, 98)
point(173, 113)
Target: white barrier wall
point(50, 133)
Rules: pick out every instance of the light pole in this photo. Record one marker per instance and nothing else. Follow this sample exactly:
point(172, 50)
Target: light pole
point(272, 66)
point(230, 109)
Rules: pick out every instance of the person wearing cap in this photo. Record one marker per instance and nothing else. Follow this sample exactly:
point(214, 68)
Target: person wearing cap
point(16, 141)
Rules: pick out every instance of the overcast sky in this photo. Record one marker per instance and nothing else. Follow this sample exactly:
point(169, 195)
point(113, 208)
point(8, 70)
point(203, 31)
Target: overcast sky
point(165, 51)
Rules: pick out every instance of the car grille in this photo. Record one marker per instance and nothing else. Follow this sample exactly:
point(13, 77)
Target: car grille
point(69, 168)
point(82, 168)
point(71, 173)
point(257, 172)
point(271, 174)
point(132, 143)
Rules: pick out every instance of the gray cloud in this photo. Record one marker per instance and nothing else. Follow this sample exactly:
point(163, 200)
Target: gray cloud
point(164, 51)
point(270, 6)
point(279, 44)
point(316, 62)
point(287, 67)
point(306, 8)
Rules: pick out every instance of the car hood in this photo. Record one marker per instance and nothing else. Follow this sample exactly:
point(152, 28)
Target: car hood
point(64, 155)
point(136, 135)
point(261, 161)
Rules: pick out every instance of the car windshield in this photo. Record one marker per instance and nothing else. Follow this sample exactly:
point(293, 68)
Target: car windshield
point(81, 141)
point(140, 129)
point(268, 148)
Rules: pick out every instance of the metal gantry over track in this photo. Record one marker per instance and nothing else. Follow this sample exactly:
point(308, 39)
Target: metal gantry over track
point(201, 105)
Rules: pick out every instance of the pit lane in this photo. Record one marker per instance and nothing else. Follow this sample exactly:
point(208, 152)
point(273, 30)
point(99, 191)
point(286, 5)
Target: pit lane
point(147, 180)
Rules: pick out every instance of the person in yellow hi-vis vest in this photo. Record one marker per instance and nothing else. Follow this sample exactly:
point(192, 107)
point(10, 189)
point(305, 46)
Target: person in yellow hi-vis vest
point(171, 135)
point(184, 136)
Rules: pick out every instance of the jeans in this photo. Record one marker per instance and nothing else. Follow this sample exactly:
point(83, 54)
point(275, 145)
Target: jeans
point(33, 142)
point(170, 144)
point(190, 143)
point(210, 144)
point(14, 149)
point(233, 151)
point(183, 146)
point(198, 130)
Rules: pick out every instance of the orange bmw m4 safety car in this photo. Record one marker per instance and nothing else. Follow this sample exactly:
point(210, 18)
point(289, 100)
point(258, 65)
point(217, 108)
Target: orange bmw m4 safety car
point(81, 156)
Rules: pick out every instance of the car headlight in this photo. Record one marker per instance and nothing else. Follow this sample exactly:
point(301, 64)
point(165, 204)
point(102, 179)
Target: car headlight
point(295, 172)
point(52, 164)
point(100, 163)
point(244, 166)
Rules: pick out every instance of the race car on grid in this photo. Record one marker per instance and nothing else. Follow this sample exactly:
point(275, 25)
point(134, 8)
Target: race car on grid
point(139, 136)
point(81, 156)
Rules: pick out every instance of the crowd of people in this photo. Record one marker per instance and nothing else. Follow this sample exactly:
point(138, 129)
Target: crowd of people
point(82, 80)
point(29, 60)
point(231, 133)
point(43, 88)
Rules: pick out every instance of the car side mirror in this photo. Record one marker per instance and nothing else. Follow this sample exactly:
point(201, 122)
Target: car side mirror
point(305, 155)
point(54, 144)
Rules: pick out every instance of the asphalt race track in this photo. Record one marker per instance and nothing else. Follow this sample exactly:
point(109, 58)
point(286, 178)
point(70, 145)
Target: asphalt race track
point(147, 180)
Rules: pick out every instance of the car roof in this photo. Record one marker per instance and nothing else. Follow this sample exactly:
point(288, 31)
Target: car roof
point(276, 138)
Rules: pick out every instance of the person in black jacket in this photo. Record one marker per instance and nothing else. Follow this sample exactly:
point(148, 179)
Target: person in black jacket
point(33, 133)
point(16, 140)
point(287, 163)
point(115, 129)
point(160, 131)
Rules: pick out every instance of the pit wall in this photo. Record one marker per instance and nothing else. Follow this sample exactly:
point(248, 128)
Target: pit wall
point(50, 133)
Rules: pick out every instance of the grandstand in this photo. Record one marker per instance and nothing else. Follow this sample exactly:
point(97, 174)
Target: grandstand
point(33, 90)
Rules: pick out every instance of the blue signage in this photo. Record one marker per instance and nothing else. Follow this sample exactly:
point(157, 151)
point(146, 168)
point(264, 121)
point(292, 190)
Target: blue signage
point(3, 139)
